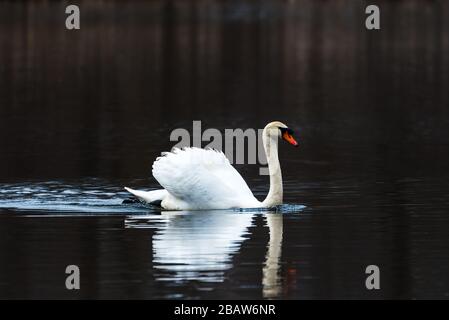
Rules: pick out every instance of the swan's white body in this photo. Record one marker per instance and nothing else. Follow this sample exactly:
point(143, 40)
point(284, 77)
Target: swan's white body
point(199, 179)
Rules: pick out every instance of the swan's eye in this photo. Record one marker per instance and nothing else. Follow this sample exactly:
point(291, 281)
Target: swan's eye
point(288, 130)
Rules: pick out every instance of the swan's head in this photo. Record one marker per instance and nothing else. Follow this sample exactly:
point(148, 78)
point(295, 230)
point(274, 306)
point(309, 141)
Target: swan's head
point(281, 130)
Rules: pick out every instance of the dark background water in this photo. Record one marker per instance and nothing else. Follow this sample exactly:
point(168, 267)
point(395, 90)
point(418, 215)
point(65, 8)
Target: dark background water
point(83, 113)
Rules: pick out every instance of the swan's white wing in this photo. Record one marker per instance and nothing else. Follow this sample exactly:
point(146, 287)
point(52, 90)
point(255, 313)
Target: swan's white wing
point(202, 179)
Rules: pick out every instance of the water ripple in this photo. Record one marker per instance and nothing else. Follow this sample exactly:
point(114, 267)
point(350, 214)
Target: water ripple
point(86, 197)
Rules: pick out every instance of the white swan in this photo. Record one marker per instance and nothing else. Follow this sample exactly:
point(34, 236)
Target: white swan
point(199, 179)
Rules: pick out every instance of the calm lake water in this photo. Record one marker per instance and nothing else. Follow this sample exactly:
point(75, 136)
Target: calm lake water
point(84, 113)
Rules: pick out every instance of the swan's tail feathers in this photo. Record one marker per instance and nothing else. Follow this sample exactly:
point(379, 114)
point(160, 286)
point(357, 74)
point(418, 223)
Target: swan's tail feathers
point(154, 197)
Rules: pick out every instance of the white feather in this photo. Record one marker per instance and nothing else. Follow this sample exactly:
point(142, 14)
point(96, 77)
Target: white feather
point(201, 179)
point(148, 196)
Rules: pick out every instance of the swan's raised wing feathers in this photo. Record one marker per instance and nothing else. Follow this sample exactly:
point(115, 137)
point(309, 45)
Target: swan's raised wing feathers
point(196, 175)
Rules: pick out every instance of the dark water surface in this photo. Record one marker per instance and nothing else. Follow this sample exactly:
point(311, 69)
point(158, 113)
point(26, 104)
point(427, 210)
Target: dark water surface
point(84, 113)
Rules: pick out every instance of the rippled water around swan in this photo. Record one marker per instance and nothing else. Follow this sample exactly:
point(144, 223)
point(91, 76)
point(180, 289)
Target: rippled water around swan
point(176, 248)
point(317, 249)
point(84, 113)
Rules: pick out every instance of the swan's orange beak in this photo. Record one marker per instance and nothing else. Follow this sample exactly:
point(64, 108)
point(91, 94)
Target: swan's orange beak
point(289, 138)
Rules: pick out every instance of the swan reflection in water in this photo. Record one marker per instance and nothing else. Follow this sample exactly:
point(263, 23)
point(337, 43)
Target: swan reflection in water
point(271, 278)
point(201, 245)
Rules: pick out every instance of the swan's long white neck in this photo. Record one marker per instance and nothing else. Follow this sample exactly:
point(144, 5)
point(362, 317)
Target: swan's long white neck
point(270, 143)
